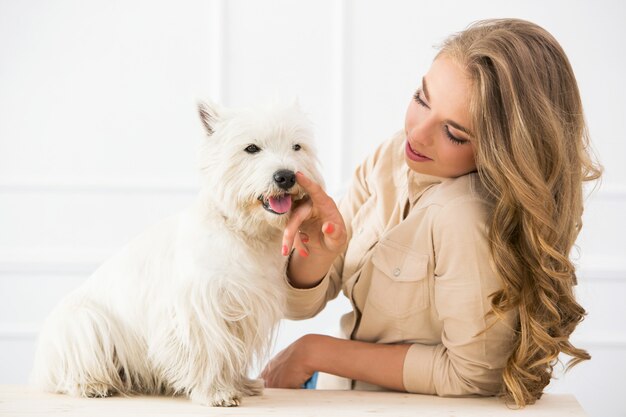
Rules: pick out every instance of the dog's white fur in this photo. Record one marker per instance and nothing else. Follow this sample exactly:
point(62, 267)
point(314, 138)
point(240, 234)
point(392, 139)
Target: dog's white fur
point(188, 305)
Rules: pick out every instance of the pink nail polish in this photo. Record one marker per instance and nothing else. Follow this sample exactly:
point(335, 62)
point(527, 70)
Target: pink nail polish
point(303, 253)
point(285, 250)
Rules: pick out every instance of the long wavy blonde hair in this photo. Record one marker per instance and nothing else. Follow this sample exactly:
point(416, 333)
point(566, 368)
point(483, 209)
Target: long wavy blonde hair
point(532, 154)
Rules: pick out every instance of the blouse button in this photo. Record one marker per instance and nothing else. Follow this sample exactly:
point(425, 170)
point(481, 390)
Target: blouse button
point(360, 230)
point(396, 272)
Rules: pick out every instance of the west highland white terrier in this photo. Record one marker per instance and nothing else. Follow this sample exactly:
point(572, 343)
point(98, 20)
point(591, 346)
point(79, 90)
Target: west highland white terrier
point(190, 304)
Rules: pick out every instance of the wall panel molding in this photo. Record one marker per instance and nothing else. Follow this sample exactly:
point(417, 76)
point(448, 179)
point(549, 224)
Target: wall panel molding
point(590, 341)
point(615, 192)
point(18, 331)
point(591, 273)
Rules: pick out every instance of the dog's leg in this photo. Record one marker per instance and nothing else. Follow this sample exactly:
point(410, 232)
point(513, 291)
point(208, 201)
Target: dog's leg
point(204, 351)
point(225, 383)
point(202, 360)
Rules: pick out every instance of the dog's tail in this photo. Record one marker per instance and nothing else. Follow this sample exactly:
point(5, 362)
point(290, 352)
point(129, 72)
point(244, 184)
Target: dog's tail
point(84, 351)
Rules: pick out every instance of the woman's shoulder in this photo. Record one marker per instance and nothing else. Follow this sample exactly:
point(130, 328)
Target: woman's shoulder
point(461, 197)
point(467, 187)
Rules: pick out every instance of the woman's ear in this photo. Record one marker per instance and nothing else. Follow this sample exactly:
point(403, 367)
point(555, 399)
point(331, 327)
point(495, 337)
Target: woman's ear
point(209, 115)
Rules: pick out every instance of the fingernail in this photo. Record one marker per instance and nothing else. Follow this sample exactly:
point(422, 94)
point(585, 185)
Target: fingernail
point(285, 250)
point(303, 253)
point(329, 228)
point(304, 239)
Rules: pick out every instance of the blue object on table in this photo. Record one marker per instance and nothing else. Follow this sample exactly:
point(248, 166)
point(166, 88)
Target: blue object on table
point(311, 383)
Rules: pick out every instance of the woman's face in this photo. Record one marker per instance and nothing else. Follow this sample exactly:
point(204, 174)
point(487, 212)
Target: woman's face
point(437, 125)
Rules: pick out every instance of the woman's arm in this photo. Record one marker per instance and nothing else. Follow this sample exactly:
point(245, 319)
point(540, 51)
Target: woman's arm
point(375, 363)
point(474, 349)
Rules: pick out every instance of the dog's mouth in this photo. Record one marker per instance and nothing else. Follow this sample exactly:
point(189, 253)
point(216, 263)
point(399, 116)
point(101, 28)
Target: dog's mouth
point(277, 204)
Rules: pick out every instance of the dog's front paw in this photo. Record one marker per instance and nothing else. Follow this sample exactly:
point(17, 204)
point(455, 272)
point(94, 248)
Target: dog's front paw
point(223, 398)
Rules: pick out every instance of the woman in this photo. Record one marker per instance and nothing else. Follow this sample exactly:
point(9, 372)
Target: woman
point(453, 242)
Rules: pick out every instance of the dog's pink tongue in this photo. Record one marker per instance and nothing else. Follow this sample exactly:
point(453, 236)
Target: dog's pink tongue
point(280, 204)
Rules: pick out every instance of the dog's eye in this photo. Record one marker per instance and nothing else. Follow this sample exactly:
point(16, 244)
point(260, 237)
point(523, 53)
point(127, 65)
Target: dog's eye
point(296, 147)
point(252, 149)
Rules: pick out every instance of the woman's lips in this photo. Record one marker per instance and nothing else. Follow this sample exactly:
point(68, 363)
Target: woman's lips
point(414, 156)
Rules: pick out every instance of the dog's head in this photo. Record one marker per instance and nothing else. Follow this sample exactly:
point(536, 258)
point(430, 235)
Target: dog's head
point(250, 158)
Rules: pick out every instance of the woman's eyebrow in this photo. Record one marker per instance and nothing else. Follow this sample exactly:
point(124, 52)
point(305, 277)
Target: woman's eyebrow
point(458, 126)
point(447, 121)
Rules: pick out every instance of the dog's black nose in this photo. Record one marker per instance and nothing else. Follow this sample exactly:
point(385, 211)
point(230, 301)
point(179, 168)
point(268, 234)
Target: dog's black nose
point(285, 178)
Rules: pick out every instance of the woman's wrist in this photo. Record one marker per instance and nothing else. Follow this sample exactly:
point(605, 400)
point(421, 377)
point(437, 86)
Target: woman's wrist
point(312, 348)
point(308, 271)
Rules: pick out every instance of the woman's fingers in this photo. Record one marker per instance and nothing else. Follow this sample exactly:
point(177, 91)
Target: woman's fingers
point(325, 207)
point(298, 244)
point(298, 215)
point(313, 189)
point(334, 236)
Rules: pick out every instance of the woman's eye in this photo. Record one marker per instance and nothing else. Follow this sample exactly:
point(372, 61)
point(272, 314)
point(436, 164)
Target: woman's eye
point(453, 139)
point(296, 147)
point(252, 149)
point(418, 98)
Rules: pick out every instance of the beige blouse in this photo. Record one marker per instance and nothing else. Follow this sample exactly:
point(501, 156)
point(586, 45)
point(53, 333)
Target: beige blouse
point(417, 271)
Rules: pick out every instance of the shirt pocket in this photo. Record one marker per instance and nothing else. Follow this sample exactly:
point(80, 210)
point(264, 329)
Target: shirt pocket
point(399, 282)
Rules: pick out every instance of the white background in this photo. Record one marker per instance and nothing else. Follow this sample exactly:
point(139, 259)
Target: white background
point(98, 132)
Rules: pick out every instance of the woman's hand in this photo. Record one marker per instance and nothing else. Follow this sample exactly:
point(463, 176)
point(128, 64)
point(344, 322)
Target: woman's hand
point(315, 223)
point(316, 231)
point(290, 367)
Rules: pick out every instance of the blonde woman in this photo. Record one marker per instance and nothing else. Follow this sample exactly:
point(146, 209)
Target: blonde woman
point(453, 242)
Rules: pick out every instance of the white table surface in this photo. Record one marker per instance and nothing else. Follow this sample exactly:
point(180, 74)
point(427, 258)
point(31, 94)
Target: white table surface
point(18, 401)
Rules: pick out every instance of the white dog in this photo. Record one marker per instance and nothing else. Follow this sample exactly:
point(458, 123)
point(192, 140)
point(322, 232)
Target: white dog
point(188, 305)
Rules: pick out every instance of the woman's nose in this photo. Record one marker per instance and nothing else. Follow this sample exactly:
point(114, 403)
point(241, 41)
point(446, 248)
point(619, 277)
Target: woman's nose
point(422, 133)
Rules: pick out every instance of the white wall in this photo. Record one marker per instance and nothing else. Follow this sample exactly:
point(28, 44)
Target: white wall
point(98, 131)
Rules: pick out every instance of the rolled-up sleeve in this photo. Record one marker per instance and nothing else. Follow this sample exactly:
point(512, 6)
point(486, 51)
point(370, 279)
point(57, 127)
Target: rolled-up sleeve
point(473, 350)
point(304, 303)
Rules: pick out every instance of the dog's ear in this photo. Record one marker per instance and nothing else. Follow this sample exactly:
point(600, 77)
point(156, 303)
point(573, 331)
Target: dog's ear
point(209, 114)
